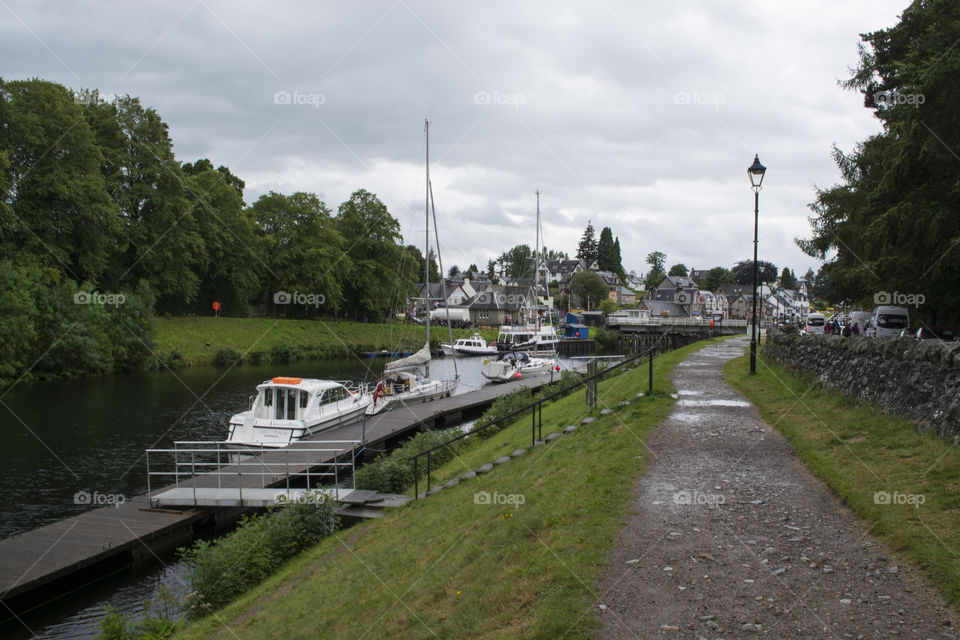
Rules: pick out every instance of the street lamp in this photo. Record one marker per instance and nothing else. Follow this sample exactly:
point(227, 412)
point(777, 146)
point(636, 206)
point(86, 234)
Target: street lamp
point(755, 171)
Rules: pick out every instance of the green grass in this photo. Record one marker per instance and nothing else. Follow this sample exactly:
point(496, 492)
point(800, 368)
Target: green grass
point(199, 338)
point(859, 450)
point(448, 567)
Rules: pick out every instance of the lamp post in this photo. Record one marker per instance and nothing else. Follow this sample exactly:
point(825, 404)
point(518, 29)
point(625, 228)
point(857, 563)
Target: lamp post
point(755, 171)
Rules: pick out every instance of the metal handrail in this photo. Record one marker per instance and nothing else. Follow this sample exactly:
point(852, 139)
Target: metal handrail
point(239, 465)
point(536, 408)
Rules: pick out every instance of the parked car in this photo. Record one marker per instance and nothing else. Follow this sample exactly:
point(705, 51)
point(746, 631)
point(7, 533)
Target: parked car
point(889, 322)
point(945, 334)
point(815, 323)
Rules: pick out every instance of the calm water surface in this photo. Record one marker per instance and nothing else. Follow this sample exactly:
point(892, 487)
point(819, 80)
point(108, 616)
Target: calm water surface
point(58, 439)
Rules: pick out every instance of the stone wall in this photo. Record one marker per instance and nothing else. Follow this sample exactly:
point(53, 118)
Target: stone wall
point(919, 380)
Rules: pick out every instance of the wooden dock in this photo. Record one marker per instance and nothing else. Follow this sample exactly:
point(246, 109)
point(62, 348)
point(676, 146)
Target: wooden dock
point(39, 564)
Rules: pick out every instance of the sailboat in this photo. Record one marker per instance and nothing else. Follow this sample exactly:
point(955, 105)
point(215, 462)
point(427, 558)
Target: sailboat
point(399, 385)
point(518, 343)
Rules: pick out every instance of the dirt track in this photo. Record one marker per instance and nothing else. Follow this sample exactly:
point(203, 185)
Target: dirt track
point(731, 536)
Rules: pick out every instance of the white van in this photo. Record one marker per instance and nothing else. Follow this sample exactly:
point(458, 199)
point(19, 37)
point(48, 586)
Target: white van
point(815, 323)
point(888, 322)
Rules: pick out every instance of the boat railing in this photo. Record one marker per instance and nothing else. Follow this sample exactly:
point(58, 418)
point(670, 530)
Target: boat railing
point(222, 465)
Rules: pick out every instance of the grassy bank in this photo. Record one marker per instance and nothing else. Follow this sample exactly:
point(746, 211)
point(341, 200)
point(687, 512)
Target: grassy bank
point(865, 457)
point(453, 566)
point(196, 340)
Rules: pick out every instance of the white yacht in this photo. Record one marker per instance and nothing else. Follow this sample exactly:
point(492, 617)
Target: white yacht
point(475, 345)
point(537, 341)
point(286, 410)
point(405, 387)
point(514, 365)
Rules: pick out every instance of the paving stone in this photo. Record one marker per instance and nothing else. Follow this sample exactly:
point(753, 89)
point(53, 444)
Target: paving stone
point(606, 412)
point(518, 453)
point(436, 489)
point(485, 468)
point(587, 420)
point(452, 483)
point(571, 428)
point(641, 394)
point(501, 460)
point(623, 403)
point(553, 436)
point(468, 475)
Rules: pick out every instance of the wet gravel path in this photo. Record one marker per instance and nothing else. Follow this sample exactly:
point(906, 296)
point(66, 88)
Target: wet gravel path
point(730, 536)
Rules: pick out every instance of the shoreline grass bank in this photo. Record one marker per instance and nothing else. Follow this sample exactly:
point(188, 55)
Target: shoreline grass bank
point(195, 341)
point(459, 565)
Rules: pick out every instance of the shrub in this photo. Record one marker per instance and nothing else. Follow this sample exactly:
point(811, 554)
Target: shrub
point(258, 357)
point(284, 353)
point(227, 357)
point(393, 473)
point(219, 571)
point(608, 341)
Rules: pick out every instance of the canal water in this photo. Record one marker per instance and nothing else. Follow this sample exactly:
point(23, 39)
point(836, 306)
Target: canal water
point(66, 446)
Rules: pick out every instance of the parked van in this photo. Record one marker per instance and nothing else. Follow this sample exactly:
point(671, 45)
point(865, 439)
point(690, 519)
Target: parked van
point(815, 323)
point(888, 322)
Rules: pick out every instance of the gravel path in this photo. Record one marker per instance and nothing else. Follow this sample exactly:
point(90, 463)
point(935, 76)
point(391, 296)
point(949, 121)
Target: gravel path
point(730, 536)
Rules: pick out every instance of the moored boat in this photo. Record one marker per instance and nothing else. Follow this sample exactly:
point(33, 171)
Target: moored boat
point(475, 345)
point(287, 409)
point(405, 387)
point(514, 365)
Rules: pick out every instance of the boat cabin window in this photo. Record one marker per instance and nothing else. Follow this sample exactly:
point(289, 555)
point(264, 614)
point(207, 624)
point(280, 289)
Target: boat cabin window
point(335, 394)
point(268, 397)
point(304, 398)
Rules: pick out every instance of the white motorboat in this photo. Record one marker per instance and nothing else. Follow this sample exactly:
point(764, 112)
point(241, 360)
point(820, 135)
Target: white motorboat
point(475, 345)
point(514, 365)
point(404, 387)
point(537, 341)
point(286, 410)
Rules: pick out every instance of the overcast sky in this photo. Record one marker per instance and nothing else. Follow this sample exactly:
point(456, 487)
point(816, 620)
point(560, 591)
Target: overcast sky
point(641, 116)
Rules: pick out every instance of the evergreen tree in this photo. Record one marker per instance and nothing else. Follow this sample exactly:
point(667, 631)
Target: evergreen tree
point(606, 256)
point(587, 249)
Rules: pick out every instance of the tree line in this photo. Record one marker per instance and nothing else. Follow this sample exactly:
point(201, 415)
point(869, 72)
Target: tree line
point(101, 227)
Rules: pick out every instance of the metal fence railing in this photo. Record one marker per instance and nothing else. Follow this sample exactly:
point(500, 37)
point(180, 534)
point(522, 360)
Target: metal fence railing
point(219, 465)
point(536, 414)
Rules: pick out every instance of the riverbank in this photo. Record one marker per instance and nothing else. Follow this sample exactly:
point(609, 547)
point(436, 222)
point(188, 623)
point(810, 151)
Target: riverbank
point(903, 484)
point(511, 553)
point(194, 341)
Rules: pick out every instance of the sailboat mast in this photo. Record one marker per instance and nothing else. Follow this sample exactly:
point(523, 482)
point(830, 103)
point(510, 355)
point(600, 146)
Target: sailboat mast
point(536, 266)
point(426, 254)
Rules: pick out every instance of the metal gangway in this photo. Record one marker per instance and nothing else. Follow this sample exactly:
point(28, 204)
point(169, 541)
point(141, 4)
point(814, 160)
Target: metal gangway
point(218, 474)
